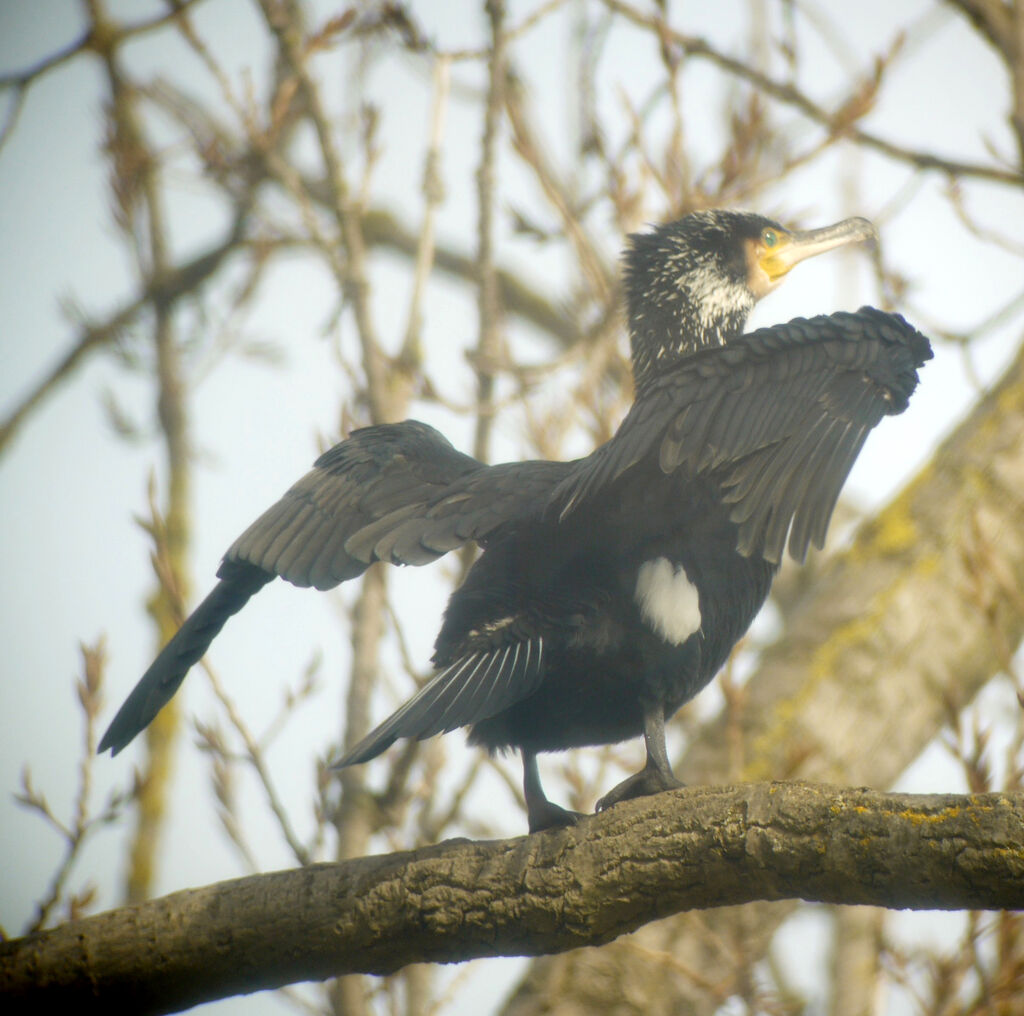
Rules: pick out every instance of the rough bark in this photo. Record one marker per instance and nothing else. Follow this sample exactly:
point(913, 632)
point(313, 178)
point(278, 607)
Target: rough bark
point(886, 638)
point(639, 861)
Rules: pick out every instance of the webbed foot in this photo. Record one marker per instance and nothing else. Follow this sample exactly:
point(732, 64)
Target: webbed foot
point(545, 815)
point(650, 780)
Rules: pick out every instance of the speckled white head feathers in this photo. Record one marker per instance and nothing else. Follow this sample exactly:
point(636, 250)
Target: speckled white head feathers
point(693, 282)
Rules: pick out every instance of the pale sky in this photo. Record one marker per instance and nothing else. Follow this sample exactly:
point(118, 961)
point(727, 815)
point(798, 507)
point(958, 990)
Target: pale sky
point(76, 566)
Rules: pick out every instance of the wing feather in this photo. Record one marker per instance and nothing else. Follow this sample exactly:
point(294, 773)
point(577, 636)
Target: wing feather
point(381, 471)
point(471, 688)
point(776, 417)
point(810, 523)
point(396, 492)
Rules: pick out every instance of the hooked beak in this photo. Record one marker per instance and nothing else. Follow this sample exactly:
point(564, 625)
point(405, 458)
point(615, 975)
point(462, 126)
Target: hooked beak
point(797, 245)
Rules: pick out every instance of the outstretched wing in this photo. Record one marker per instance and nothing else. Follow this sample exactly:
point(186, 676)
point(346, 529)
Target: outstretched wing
point(376, 471)
point(470, 508)
point(777, 417)
point(396, 492)
point(476, 685)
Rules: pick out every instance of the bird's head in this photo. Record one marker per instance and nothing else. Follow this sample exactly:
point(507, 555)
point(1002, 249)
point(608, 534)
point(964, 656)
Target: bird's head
point(693, 282)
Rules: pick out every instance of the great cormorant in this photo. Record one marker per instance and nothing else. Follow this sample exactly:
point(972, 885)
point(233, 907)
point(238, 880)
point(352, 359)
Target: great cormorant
point(611, 589)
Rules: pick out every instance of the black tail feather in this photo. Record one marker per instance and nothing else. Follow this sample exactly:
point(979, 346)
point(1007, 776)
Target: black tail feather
point(238, 583)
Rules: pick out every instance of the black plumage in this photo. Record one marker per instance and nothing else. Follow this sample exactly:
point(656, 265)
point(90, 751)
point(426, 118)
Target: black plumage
point(611, 589)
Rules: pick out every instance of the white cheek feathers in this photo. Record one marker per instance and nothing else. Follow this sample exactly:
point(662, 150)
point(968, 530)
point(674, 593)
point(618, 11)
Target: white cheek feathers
point(668, 600)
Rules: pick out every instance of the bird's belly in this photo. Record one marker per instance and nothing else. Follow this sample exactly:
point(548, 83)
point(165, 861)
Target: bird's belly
point(589, 698)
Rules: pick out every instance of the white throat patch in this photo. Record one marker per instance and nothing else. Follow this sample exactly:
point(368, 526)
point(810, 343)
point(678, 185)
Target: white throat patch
point(668, 600)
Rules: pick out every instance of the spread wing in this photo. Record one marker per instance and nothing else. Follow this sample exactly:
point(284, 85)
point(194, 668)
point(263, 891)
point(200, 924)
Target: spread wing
point(395, 492)
point(473, 507)
point(777, 417)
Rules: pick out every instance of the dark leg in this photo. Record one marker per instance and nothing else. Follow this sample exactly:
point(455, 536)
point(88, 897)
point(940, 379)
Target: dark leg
point(540, 812)
point(657, 775)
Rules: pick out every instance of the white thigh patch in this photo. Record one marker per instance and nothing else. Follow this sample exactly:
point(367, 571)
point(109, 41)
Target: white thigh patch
point(668, 600)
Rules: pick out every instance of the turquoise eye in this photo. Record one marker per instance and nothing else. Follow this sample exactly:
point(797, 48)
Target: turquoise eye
point(769, 237)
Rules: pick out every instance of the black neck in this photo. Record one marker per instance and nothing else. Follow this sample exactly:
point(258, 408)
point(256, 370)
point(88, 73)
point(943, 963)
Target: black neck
point(681, 298)
point(665, 335)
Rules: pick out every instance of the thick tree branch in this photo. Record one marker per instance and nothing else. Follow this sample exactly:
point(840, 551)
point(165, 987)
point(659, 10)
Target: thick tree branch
point(695, 848)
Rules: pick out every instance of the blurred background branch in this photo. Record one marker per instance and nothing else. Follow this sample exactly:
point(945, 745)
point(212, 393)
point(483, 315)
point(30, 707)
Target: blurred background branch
point(416, 210)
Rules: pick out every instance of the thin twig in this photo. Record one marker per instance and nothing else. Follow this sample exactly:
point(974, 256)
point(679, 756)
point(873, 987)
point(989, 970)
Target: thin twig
point(793, 97)
point(254, 756)
point(488, 297)
point(433, 194)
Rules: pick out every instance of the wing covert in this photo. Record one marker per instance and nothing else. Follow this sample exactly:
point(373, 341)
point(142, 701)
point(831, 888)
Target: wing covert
point(376, 472)
point(396, 492)
point(471, 508)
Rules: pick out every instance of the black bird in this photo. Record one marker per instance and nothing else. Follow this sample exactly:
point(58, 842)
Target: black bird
point(611, 589)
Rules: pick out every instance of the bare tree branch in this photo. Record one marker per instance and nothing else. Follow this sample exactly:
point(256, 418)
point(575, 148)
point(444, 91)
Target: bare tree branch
point(161, 290)
point(1002, 24)
point(694, 848)
point(793, 97)
point(95, 38)
point(490, 335)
